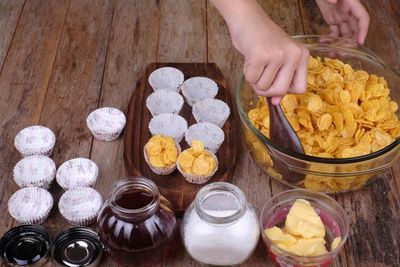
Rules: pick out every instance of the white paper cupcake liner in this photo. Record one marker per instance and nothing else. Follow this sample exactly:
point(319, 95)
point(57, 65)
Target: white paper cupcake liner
point(30, 205)
point(198, 88)
point(80, 206)
point(166, 78)
point(170, 125)
point(199, 179)
point(211, 110)
point(77, 172)
point(208, 133)
point(162, 171)
point(35, 140)
point(35, 171)
point(164, 102)
point(106, 124)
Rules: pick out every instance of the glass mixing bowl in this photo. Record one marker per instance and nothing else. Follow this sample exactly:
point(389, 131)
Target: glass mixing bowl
point(329, 175)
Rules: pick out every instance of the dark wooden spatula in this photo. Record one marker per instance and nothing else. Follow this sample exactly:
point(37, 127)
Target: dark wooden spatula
point(280, 130)
point(282, 133)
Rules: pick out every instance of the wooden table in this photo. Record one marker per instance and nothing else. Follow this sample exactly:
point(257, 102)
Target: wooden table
point(59, 60)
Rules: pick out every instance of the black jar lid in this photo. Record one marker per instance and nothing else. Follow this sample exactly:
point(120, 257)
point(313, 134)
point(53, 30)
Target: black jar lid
point(24, 245)
point(77, 246)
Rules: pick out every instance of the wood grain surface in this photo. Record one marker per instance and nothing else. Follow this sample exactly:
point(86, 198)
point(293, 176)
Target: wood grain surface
point(374, 207)
point(23, 83)
point(10, 12)
point(59, 60)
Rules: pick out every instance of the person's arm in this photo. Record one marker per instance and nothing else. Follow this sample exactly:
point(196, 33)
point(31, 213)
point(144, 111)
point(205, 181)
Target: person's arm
point(274, 63)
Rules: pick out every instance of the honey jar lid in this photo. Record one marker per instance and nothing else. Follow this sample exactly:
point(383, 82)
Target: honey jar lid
point(24, 245)
point(77, 246)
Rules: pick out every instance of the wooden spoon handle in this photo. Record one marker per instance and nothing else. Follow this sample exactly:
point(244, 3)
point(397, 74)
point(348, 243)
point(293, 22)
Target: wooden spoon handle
point(281, 132)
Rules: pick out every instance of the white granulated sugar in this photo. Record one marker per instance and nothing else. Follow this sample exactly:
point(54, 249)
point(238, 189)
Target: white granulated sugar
point(221, 244)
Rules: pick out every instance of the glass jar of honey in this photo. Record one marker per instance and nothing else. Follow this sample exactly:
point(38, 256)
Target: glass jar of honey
point(136, 224)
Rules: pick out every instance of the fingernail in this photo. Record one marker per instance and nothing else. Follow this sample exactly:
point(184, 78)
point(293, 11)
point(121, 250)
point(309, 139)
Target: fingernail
point(276, 100)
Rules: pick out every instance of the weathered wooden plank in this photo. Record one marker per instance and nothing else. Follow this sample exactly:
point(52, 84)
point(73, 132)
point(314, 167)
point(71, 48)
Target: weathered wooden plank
point(75, 84)
point(10, 11)
point(376, 207)
point(374, 230)
point(287, 15)
point(182, 36)
point(133, 45)
point(256, 185)
point(250, 178)
point(384, 30)
point(373, 211)
point(221, 50)
point(313, 22)
point(76, 90)
point(384, 40)
point(292, 22)
point(23, 82)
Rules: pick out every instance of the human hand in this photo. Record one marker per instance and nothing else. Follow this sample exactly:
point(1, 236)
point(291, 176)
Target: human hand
point(274, 64)
point(347, 18)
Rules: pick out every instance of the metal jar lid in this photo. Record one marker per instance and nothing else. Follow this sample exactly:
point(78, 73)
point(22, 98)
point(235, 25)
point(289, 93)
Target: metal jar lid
point(77, 246)
point(24, 245)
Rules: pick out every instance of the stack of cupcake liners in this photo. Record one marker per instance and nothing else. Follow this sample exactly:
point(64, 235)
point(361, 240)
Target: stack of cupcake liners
point(30, 205)
point(166, 103)
point(34, 171)
point(34, 175)
point(77, 172)
point(80, 203)
point(106, 123)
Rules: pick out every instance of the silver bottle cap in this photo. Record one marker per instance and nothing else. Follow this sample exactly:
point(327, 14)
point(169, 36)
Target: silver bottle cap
point(77, 246)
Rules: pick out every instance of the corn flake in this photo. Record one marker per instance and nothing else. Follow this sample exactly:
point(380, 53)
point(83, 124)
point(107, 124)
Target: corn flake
point(344, 113)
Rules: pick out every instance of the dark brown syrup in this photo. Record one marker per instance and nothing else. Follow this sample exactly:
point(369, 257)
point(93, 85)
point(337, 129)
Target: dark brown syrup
point(138, 242)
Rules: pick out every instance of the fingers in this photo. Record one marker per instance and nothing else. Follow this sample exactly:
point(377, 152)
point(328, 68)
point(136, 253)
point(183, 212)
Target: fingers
point(282, 80)
point(274, 74)
point(275, 100)
point(362, 17)
point(267, 77)
point(334, 30)
point(363, 25)
point(299, 82)
point(345, 30)
point(353, 25)
point(253, 68)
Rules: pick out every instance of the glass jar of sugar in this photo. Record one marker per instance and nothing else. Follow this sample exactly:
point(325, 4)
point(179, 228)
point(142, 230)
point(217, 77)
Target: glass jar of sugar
point(220, 227)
